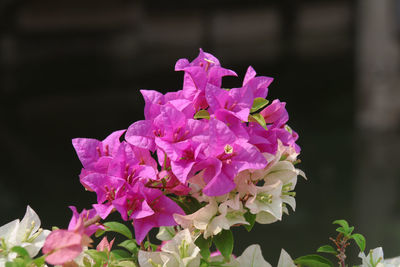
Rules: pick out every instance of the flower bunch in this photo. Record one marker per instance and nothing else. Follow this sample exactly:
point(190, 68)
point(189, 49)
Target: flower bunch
point(227, 149)
point(205, 157)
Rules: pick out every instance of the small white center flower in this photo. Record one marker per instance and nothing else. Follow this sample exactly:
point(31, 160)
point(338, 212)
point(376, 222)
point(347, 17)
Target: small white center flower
point(228, 149)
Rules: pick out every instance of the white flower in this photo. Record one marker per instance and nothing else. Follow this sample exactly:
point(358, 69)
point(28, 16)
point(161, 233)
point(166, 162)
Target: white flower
point(252, 257)
point(266, 202)
point(231, 213)
point(26, 233)
point(178, 252)
point(200, 219)
point(375, 259)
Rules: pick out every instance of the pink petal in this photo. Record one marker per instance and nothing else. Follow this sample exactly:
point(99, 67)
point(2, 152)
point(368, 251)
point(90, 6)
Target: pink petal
point(63, 245)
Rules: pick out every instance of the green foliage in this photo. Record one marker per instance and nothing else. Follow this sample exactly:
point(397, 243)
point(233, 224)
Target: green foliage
point(21, 252)
point(119, 254)
point(327, 249)
point(129, 245)
point(204, 246)
point(187, 203)
point(258, 103)
point(251, 219)
point(345, 229)
point(115, 227)
point(23, 259)
point(204, 263)
point(360, 240)
point(258, 118)
point(99, 257)
point(126, 264)
point(224, 243)
point(202, 114)
point(313, 261)
point(148, 245)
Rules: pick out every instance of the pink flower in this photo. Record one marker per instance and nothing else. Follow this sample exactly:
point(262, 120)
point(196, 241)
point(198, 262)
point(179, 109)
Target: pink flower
point(62, 246)
point(85, 215)
point(258, 85)
point(104, 245)
point(226, 157)
point(203, 70)
point(148, 208)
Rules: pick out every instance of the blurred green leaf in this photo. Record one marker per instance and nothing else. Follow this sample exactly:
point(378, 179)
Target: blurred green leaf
point(327, 249)
point(224, 243)
point(118, 228)
point(202, 114)
point(21, 252)
point(342, 223)
point(129, 245)
point(251, 219)
point(258, 103)
point(119, 254)
point(360, 240)
point(258, 118)
point(98, 256)
point(204, 246)
point(313, 261)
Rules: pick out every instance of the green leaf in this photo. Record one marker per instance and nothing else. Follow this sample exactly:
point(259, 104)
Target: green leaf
point(360, 240)
point(258, 103)
point(350, 230)
point(97, 256)
point(147, 245)
point(118, 228)
point(11, 264)
point(258, 118)
point(87, 262)
point(202, 114)
point(203, 263)
point(342, 223)
point(251, 219)
point(119, 254)
point(327, 249)
point(22, 262)
point(126, 264)
point(39, 261)
point(341, 230)
point(204, 246)
point(99, 232)
point(313, 261)
point(188, 204)
point(129, 245)
point(21, 252)
point(224, 243)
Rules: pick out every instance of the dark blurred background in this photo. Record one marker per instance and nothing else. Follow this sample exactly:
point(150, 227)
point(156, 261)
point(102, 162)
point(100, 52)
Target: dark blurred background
point(72, 68)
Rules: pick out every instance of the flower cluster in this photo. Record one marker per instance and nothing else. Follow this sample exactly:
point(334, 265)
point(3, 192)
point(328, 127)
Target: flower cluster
point(227, 148)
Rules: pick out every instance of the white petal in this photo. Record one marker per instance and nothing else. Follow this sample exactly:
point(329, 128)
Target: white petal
point(30, 219)
point(285, 260)
point(9, 229)
point(146, 258)
point(252, 257)
point(165, 233)
point(265, 218)
point(34, 247)
point(290, 200)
